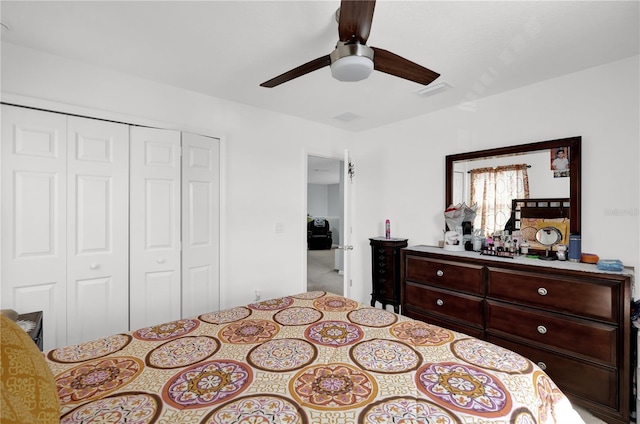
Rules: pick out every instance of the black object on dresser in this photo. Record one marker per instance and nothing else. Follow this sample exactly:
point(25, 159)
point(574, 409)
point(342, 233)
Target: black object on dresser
point(385, 266)
point(572, 321)
point(32, 323)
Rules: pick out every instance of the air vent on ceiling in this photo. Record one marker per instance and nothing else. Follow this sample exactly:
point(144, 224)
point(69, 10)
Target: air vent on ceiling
point(347, 117)
point(432, 89)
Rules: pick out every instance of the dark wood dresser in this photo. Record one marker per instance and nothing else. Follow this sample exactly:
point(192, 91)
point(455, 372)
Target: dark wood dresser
point(570, 319)
point(385, 270)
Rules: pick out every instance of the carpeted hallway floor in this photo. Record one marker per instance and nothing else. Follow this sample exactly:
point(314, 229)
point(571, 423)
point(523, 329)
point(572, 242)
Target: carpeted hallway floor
point(321, 272)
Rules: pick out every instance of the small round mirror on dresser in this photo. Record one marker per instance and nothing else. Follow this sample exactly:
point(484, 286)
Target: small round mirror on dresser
point(548, 237)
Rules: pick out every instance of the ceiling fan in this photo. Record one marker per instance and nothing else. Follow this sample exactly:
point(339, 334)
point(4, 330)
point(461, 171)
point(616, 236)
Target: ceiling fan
point(352, 59)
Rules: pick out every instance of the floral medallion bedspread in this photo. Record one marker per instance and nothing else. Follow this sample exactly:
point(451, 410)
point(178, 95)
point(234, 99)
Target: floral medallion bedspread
point(310, 358)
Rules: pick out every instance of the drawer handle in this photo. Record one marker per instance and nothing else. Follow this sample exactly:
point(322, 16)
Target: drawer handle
point(94, 266)
point(542, 365)
point(542, 329)
point(542, 291)
point(439, 302)
point(440, 273)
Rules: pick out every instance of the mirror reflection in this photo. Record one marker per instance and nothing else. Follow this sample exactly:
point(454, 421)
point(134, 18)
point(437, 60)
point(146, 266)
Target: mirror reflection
point(548, 237)
point(493, 182)
point(523, 187)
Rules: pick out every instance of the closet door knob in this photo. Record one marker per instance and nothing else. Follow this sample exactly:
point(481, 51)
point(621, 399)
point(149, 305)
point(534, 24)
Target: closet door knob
point(440, 273)
point(542, 291)
point(94, 266)
point(160, 260)
point(439, 302)
point(542, 329)
point(542, 365)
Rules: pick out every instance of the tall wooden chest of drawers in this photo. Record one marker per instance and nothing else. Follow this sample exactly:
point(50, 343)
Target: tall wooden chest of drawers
point(385, 271)
point(570, 319)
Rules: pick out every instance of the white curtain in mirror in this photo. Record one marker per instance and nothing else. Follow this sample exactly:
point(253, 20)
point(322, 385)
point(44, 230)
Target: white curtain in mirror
point(492, 189)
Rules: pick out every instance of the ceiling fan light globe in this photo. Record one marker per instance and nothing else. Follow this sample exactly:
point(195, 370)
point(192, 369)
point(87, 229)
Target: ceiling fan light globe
point(352, 68)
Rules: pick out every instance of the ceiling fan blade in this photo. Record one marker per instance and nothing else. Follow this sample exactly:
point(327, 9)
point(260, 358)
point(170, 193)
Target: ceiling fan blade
point(391, 63)
point(355, 20)
point(301, 70)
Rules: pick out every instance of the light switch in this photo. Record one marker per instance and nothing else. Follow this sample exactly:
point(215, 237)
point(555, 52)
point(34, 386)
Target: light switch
point(279, 227)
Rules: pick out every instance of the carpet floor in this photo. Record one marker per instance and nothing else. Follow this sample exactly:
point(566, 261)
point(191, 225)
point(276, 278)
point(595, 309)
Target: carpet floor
point(322, 273)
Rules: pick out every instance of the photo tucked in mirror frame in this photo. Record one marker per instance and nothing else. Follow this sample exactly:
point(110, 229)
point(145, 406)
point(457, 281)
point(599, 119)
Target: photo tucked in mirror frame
point(545, 174)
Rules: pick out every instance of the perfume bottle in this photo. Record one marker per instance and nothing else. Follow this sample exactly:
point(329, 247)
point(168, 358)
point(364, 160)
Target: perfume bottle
point(387, 229)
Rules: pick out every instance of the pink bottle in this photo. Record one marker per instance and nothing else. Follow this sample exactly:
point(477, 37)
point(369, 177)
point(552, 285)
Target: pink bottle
point(387, 229)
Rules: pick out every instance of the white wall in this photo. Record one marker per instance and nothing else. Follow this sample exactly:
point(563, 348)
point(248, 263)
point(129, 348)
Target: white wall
point(400, 167)
point(334, 200)
point(405, 162)
point(317, 200)
point(264, 156)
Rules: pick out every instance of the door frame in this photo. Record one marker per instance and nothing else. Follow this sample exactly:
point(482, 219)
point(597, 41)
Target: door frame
point(340, 157)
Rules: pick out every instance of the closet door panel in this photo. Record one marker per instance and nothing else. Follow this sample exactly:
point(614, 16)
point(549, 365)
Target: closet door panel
point(34, 217)
point(98, 243)
point(155, 226)
point(200, 224)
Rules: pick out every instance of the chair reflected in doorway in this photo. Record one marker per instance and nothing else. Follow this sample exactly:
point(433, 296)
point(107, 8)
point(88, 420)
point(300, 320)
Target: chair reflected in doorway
point(319, 234)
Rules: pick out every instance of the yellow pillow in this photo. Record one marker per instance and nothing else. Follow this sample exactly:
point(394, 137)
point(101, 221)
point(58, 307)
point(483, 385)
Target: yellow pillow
point(28, 389)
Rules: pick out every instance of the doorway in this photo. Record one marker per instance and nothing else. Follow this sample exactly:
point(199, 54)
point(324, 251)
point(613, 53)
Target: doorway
point(325, 219)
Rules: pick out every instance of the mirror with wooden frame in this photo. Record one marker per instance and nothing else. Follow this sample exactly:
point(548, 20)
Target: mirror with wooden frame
point(486, 156)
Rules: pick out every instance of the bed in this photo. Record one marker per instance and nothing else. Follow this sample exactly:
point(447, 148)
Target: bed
point(314, 357)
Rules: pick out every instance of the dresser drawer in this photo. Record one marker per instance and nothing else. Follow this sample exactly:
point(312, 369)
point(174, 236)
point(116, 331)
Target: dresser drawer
point(599, 384)
point(385, 288)
point(577, 337)
point(382, 257)
point(450, 275)
point(445, 303)
point(588, 299)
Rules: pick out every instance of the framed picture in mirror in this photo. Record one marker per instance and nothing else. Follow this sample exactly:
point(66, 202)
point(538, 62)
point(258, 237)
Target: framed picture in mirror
point(560, 162)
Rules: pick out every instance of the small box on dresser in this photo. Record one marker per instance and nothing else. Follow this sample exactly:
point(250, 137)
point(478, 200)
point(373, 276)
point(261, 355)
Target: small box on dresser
point(571, 319)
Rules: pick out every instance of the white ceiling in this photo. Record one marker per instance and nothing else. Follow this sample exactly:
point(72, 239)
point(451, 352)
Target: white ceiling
point(227, 48)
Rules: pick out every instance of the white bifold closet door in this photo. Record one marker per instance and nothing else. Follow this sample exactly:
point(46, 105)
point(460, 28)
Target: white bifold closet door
point(65, 223)
point(98, 229)
point(106, 227)
point(34, 222)
point(200, 224)
point(174, 241)
point(155, 263)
